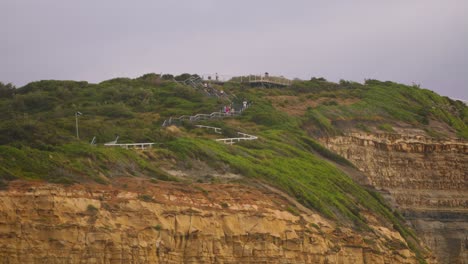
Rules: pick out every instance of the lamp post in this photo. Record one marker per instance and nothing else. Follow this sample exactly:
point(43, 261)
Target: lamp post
point(77, 114)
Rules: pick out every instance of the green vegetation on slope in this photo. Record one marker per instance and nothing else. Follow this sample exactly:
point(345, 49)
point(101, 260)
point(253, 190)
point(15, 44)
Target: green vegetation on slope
point(37, 133)
point(377, 103)
point(392, 101)
point(42, 113)
point(75, 162)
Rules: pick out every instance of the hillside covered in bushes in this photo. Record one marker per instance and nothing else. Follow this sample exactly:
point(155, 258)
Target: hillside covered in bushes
point(38, 141)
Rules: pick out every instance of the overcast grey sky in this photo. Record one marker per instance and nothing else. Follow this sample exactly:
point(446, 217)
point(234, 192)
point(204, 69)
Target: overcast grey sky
point(420, 41)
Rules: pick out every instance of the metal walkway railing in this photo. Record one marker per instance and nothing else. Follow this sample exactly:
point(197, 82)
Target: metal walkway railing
point(130, 145)
point(198, 83)
point(215, 115)
point(229, 141)
point(201, 117)
point(217, 130)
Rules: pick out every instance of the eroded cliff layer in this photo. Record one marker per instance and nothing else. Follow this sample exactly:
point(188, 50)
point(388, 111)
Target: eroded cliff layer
point(425, 178)
point(139, 221)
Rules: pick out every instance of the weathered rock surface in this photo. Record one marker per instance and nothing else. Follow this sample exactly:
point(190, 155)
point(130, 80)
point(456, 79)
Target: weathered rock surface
point(423, 177)
point(137, 221)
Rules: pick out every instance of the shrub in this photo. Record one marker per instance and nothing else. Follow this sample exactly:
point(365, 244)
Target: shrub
point(146, 198)
point(115, 110)
point(363, 127)
point(38, 101)
point(92, 209)
point(6, 90)
point(323, 124)
point(183, 77)
point(293, 210)
point(3, 185)
point(152, 78)
point(386, 127)
point(314, 225)
point(326, 152)
point(167, 77)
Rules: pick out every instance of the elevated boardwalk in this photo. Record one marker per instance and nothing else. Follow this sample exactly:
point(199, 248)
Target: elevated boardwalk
point(254, 80)
point(258, 80)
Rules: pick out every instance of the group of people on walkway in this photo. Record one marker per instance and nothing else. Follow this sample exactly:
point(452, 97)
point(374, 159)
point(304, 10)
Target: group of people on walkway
point(207, 88)
point(230, 109)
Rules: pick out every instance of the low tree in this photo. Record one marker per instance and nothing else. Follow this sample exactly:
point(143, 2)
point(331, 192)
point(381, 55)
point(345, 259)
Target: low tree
point(7, 90)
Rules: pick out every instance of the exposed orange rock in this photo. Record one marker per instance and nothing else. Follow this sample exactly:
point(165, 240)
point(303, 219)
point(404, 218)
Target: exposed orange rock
point(139, 221)
point(424, 177)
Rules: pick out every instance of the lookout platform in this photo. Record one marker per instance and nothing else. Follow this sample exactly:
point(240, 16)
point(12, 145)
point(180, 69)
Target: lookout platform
point(265, 80)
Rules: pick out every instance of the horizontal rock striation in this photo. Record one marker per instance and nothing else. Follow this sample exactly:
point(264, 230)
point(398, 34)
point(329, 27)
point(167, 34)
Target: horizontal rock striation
point(425, 178)
point(137, 221)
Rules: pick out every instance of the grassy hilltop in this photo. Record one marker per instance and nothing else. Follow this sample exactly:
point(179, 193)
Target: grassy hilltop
point(37, 134)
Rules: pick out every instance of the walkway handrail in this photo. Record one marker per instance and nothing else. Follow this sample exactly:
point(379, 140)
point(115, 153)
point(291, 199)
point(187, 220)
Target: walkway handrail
point(127, 145)
point(197, 117)
point(247, 135)
point(231, 141)
point(197, 83)
point(267, 79)
point(216, 129)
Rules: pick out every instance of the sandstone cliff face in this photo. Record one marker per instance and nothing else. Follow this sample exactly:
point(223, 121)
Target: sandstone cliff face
point(425, 178)
point(137, 221)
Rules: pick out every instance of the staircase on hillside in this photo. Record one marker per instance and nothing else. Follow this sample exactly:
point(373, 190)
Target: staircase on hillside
point(235, 111)
point(197, 83)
